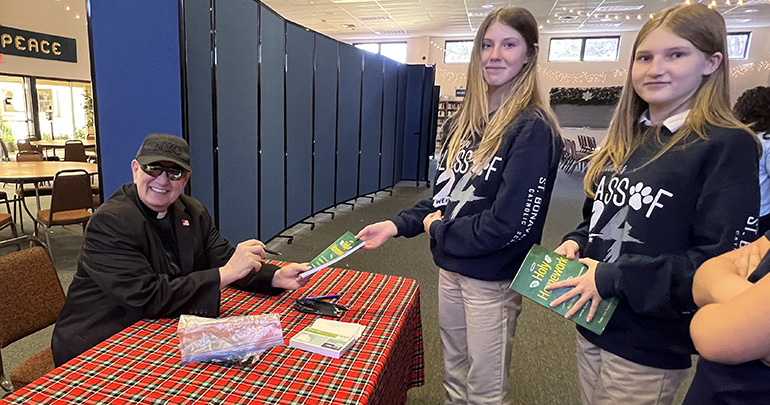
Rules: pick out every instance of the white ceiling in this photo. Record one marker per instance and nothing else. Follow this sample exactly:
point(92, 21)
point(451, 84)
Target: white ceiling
point(395, 19)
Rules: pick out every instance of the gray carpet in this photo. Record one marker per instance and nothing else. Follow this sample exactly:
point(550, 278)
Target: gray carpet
point(544, 368)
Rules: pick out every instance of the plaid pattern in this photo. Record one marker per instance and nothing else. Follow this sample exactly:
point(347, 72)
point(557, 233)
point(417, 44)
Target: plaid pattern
point(378, 369)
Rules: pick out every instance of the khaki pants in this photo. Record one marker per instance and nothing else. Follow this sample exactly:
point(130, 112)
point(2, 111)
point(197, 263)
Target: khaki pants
point(609, 379)
point(477, 321)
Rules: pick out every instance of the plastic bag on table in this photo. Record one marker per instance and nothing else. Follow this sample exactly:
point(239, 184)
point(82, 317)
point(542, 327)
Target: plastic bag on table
point(229, 340)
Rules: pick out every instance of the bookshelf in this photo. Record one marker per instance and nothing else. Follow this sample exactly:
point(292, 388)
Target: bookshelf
point(445, 110)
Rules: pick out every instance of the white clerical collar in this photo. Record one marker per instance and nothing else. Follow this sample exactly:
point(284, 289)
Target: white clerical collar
point(162, 215)
point(672, 123)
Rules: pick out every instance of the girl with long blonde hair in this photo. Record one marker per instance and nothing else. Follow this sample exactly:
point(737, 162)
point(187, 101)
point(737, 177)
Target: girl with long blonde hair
point(491, 194)
point(674, 184)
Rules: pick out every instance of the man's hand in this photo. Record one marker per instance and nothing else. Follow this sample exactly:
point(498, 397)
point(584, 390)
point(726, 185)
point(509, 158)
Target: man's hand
point(376, 234)
point(248, 255)
point(287, 277)
point(430, 218)
point(585, 286)
point(570, 249)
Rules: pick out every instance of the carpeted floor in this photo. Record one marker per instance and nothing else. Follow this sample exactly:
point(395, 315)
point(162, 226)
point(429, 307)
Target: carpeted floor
point(544, 367)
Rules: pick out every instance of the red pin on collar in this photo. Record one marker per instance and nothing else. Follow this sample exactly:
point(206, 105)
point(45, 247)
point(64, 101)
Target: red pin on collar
point(185, 222)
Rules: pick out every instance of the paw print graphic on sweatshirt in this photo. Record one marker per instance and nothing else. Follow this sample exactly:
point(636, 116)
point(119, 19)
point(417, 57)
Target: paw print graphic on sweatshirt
point(640, 195)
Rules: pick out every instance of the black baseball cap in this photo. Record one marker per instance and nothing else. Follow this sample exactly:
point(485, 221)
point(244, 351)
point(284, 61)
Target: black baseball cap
point(164, 147)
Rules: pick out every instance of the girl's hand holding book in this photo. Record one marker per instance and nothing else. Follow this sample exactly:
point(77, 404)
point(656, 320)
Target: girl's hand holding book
point(569, 249)
point(584, 286)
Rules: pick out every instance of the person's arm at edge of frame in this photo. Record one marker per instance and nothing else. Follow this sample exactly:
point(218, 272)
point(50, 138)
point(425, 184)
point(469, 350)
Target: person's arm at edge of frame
point(721, 278)
point(738, 330)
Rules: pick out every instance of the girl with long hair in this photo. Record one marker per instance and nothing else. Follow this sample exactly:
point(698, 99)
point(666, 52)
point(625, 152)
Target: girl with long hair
point(674, 184)
point(493, 185)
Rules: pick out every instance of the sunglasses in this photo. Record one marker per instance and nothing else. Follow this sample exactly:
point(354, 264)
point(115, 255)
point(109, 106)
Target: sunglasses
point(173, 173)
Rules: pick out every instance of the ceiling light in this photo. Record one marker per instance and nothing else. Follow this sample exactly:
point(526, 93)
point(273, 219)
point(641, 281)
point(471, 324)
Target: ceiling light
point(67, 8)
point(618, 8)
point(750, 10)
point(487, 6)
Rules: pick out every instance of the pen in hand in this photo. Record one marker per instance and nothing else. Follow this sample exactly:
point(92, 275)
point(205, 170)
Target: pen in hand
point(273, 252)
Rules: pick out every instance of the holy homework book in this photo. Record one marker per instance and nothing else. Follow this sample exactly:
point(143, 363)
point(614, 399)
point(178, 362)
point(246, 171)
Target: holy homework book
point(542, 267)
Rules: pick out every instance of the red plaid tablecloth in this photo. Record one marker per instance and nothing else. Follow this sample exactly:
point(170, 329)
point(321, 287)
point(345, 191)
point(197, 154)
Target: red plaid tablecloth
point(142, 363)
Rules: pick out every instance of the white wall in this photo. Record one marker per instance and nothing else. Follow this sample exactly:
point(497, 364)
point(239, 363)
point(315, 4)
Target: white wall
point(49, 17)
point(754, 71)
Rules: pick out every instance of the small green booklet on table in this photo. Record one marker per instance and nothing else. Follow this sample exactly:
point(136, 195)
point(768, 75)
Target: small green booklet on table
point(345, 245)
point(543, 266)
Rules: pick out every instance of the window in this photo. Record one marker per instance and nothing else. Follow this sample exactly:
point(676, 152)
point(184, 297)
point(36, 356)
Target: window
point(457, 51)
point(738, 45)
point(392, 50)
point(588, 49)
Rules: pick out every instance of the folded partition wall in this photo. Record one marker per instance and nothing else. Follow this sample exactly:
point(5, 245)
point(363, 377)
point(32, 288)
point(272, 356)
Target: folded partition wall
point(283, 122)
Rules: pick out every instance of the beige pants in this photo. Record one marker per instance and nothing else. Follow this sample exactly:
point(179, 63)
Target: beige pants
point(609, 379)
point(477, 321)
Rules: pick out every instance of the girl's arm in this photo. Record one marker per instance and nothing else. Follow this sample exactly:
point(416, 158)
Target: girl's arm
point(720, 279)
point(738, 330)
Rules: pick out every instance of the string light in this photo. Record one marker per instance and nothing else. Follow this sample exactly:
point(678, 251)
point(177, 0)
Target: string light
point(761, 66)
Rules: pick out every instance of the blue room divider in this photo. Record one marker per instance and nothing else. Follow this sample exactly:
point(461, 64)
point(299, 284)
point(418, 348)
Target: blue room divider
point(283, 122)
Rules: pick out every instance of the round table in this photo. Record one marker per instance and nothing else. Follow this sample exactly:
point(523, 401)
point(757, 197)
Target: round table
point(59, 143)
point(54, 144)
point(36, 172)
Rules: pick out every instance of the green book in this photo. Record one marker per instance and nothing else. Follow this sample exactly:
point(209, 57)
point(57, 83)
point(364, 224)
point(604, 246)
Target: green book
point(543, 266)
point(343, 246)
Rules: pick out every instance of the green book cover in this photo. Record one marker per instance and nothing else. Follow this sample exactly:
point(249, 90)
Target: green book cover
point(543, 266)
point(343, 246)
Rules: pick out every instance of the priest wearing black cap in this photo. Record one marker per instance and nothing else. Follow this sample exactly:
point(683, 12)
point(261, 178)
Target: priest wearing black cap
point(152, 252)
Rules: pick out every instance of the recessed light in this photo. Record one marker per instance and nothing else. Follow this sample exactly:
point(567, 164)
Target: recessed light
point(750, 10)
point(487, 6)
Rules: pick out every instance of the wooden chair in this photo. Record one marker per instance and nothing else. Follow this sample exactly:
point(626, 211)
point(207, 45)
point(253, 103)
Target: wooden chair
point(31, 297)
point(71, 201)
point(28, 190)
point(74, 151)
point(6, 157)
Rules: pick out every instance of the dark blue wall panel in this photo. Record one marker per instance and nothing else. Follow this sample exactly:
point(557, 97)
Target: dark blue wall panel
point(400, 122)
point(425, 124)
point(200, 128)
point(371, 124)
point(299, 123)
point(136, 78)
point(325, 122)
point(388, 144)
point(271, 142)
point(412, 121)
point(236, 80)
point(348, 121)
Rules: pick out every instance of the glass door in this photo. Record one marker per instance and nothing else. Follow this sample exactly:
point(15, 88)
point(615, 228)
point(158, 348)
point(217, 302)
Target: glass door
point(15, 110)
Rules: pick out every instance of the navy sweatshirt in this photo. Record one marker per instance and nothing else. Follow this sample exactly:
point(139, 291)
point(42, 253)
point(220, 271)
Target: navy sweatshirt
point(492, 219)
point(652, 226)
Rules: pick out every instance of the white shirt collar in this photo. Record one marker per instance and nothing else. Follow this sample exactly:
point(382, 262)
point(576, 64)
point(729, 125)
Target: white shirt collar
point(672, 123)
